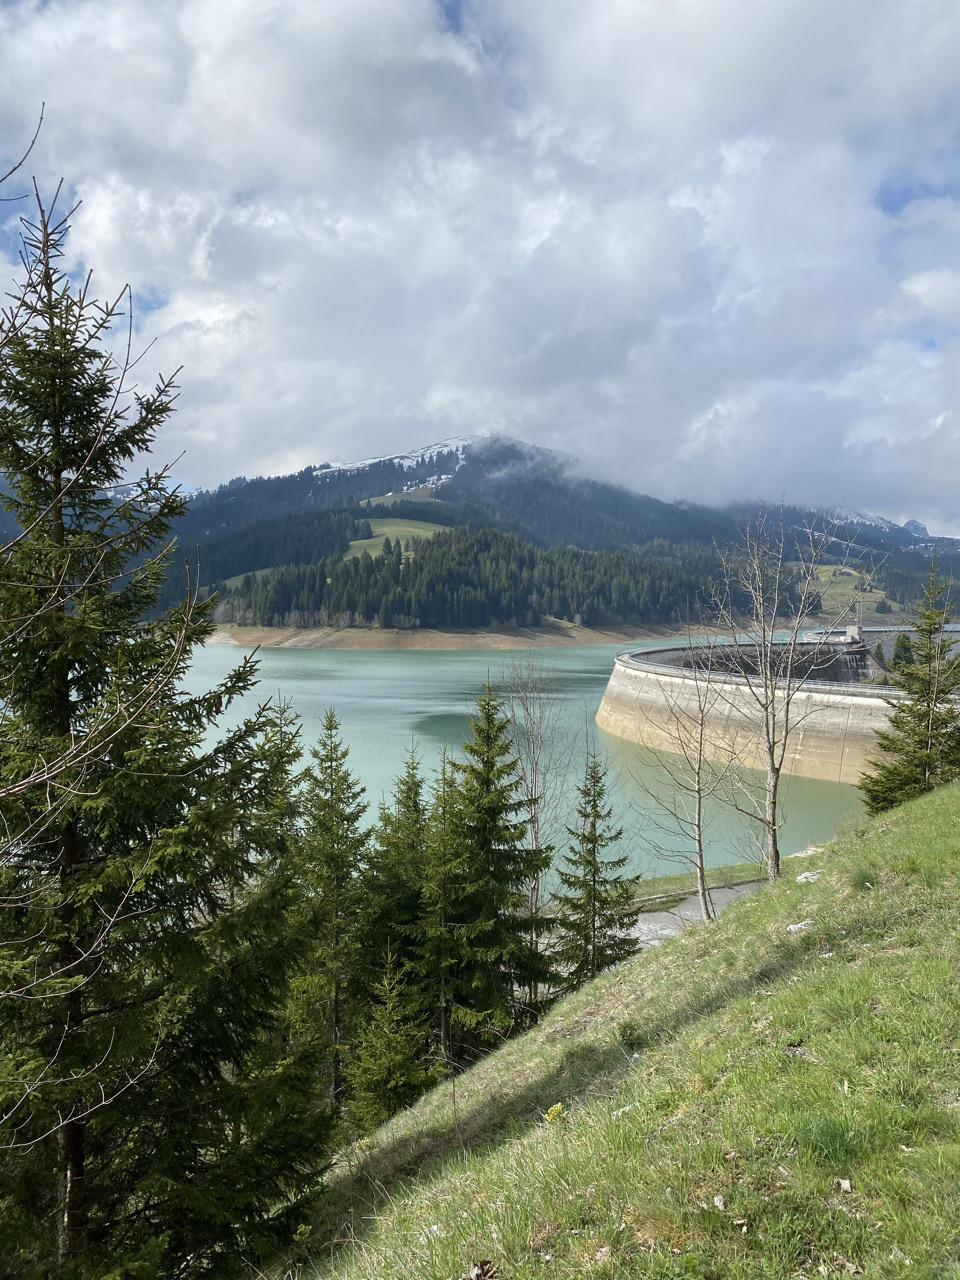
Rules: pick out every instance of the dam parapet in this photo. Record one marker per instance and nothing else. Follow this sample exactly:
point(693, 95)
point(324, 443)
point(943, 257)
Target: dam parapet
point(655, 697)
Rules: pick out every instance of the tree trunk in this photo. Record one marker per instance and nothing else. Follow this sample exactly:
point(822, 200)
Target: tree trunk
point(71, 1135)
point(336, 1082)
point(71, 1189)
point(771, 822)
point(446, 1048)
point(703, 892)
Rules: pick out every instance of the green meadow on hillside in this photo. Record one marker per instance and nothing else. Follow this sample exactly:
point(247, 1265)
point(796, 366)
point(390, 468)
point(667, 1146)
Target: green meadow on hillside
point(774, 1095)
point(389, 528)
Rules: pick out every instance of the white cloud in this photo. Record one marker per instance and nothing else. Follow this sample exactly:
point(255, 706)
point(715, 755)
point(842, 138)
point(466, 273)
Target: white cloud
point(715, 247)
point(938, 291)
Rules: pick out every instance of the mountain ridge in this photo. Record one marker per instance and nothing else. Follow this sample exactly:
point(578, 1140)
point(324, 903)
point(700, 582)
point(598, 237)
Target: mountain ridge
point(439, 466)
point(498, 483)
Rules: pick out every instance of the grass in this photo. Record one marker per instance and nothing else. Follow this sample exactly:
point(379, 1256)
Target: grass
point(392, 529)
point(238, 578)
point(747, 1100)
point(839, 595)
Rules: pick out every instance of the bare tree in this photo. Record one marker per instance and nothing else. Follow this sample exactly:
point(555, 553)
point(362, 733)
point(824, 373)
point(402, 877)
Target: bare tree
point(699, 763)
point(545, 751)
point(769, 591)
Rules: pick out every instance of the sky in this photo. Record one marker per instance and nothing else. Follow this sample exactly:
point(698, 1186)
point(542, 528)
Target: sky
point(711, 247)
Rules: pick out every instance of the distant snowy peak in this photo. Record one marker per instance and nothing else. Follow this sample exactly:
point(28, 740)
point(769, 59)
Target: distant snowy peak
point(415, 457)
point(866, 520)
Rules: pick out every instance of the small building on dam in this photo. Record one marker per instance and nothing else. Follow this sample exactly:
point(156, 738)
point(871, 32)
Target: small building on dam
point(666, 699)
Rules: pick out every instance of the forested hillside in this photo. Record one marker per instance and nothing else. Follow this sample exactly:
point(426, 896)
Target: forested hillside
point(466, 578)
point(320, 488)
point(537, 495)
point(496, 482)
point(289, 524)
point(302, 538)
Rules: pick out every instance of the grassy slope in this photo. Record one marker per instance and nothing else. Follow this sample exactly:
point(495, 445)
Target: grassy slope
point(781, 1104)
point(392, 529)
point(381, 528)
point(839, 596)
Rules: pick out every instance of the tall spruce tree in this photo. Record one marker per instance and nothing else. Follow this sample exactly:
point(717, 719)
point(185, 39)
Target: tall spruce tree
point(498, 865)
point(595, 915)
point(920, 749)
point(438, 969)
point(331, 849)
point(153, 1120)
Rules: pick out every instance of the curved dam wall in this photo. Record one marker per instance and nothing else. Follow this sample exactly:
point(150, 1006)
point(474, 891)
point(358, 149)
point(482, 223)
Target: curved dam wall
point(652, 700)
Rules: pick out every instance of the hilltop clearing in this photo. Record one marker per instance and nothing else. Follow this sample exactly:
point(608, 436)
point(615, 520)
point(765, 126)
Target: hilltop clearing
point(774, 1095)
point(392, 528)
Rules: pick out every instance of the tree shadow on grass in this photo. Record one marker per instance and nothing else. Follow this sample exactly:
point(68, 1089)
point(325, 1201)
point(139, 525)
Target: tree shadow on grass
point(363, 1181)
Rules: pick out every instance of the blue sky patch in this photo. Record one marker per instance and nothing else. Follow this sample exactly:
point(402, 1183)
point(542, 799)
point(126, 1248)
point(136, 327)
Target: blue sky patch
point(452, 11)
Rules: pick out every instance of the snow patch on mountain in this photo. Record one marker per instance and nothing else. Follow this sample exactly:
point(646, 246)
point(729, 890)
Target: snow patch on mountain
point(864, 520)
point(414, 457)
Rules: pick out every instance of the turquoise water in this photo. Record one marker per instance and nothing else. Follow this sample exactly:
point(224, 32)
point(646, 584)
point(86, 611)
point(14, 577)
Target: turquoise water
point(387, 701)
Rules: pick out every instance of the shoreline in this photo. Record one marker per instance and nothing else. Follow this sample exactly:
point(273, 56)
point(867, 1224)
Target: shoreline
point(424, 638)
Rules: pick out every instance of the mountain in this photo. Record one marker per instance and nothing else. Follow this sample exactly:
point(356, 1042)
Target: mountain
point(328, 486)
point(539, 495)
point(494, 481)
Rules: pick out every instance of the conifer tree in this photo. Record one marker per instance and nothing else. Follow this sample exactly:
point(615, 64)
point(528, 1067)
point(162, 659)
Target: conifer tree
point(439, 970)
point(498, 867)
point(902, 652)
point(331, 850)
point(146, 894)
point(595, 915)
point(920, 749)
point(388, 1069)
point(393, 870)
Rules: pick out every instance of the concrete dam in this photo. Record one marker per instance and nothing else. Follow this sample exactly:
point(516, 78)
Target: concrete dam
point(658, 697)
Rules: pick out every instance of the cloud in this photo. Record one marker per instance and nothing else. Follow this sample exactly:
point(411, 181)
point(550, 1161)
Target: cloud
point(714, 248)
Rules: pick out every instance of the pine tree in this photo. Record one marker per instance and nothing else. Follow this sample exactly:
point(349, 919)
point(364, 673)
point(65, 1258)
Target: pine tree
point(331, 851)
point(498, 868)
point(147, 895)
point(595, 916)
point(921, 748)
point(387, 1070)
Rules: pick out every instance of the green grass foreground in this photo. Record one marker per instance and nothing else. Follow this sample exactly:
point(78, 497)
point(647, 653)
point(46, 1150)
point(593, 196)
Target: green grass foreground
point(745, 1101)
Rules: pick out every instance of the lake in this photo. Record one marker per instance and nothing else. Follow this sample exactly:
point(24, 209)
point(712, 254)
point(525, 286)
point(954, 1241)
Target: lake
point(387, 701)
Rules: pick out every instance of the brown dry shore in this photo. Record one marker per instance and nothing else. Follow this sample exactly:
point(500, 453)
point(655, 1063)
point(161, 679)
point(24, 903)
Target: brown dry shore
point(546, 637)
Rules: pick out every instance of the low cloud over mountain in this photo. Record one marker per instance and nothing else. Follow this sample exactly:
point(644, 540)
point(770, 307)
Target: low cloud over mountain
point(715, 249)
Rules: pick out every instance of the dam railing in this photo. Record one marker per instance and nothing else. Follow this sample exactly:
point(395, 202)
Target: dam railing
point(639, 662)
